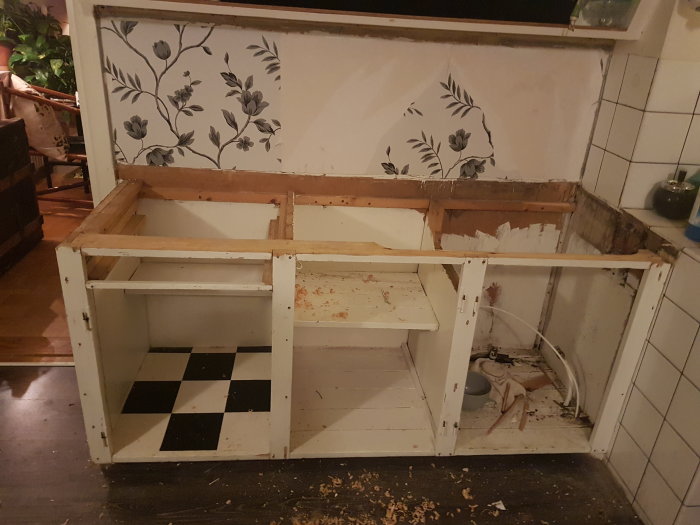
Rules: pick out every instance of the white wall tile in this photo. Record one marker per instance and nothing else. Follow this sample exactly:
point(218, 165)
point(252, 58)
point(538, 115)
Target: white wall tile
point(673, 333)
point(684, 287)
point(657, 379)
point(674, 460)
point(613, 80)
point(628, 460)
point(642, 421)
point(637, 81)
point(624, 130)
point(693, 495)
point(603, 123)
point(611, 178)
point(688, 516)
point(683, 413)
point(691, 150)
point(676, 86)
point(692, 365)
point(656, 498)
point(641, 183)
point(590, 173)
point(661, 137)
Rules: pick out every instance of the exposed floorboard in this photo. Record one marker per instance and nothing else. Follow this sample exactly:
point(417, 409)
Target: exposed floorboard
point(33, 327)
point(48, 479)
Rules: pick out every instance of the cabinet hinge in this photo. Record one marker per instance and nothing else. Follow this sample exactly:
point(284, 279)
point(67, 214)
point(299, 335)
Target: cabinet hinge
point(86, 319)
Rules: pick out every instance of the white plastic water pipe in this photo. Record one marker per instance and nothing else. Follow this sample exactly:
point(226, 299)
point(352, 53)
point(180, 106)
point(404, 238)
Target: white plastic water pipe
point(569, 371)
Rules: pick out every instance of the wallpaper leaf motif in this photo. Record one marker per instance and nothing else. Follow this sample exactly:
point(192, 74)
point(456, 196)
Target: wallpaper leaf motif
point(161, 59)
point(268, 54)
point(460, 104)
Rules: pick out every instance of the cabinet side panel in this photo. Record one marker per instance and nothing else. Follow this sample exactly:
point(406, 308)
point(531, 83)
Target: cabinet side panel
point(122, 331)
point(431, 350)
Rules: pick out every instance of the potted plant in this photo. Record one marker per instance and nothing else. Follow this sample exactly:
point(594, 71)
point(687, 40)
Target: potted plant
point(41, 54)
point(7, 39)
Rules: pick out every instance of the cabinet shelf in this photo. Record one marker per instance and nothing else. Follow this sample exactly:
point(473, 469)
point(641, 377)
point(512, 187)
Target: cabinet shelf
point(363, 300)
point(190, 278)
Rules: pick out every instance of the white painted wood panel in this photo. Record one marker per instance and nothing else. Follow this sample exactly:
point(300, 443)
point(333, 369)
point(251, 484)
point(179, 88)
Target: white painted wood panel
point(588, 315)
point(218, 220)
point(175, 320)
point(363, 300)
point(175, 277)
point(532, 441)
point(283, 268)
point(340, 337)
point(349, 402)
point(390, 227)
point(122, 332)
point(80, 313)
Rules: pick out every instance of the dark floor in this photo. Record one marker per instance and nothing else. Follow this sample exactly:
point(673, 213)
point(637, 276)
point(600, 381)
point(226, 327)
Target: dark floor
point(47, 478)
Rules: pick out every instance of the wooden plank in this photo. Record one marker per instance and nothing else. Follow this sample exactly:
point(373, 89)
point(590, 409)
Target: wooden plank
point(435, 219)
point(80, 314)
point(108, 214)
point(289, 216)
point(283, 270)
point(177, 193)
point(99, 267)
point(500, 205)
point(361, 201)
point(267, 265)
point(362, 300)
point(114, 244)
point(280, 183)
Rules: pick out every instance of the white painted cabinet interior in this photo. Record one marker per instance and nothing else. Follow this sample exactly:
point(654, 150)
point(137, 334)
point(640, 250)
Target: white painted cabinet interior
point(369, 352)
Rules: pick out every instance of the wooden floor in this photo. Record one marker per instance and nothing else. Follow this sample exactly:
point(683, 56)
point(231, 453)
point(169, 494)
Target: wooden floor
point(33, 326)
point(47, 478)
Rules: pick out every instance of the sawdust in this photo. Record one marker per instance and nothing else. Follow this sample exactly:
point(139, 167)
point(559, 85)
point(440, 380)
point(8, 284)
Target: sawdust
point(387, 509)
point(340, 315)
point(318, 291)
point(467, 493)
point(370, 279)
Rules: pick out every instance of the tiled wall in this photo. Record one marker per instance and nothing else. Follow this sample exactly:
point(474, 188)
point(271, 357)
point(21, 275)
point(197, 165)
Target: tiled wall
point(648, 126)
point(656, 453)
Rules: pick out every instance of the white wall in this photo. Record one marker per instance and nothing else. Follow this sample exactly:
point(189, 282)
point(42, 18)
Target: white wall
point(343, 100)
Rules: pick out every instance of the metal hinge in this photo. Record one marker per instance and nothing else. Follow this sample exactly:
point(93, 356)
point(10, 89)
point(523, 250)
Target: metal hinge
point(86, 318)
point(104, 438)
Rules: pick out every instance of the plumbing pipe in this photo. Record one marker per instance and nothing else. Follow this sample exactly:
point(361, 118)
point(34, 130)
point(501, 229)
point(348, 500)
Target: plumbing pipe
point(569, 371)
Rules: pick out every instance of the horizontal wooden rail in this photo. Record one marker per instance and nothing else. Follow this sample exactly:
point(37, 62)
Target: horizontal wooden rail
point(125, 245)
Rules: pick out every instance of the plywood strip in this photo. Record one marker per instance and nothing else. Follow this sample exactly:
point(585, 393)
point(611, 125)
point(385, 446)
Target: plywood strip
point(92, 243)
point(436, 217)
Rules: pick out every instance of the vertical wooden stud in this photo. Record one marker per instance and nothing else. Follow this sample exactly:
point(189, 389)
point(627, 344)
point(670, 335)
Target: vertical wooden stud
point(630, 350)
point(283, 278)
point(468, 296)
point(80, 314)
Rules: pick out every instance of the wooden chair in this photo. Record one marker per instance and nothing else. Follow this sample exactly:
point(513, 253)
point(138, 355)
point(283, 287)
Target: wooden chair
point(76, 156)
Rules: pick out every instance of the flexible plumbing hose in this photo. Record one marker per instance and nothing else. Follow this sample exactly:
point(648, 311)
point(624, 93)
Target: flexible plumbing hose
point(569, 371)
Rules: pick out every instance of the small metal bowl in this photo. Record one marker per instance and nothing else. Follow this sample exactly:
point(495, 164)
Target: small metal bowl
point(476, 391)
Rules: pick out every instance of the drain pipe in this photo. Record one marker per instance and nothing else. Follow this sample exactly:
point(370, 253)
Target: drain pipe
point(569, 371)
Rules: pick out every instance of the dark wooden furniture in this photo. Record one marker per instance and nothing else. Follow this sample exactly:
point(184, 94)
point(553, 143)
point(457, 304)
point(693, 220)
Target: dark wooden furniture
point(20, 221)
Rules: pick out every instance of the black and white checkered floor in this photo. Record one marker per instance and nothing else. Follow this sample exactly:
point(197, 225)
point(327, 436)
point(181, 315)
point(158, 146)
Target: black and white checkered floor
point(201, 399)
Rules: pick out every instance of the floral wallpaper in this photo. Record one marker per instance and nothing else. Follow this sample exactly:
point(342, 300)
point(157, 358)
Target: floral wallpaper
point(215, 96)
point(168, 101)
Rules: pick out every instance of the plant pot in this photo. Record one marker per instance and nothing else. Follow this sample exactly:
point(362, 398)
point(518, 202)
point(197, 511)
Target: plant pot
point(5, 53)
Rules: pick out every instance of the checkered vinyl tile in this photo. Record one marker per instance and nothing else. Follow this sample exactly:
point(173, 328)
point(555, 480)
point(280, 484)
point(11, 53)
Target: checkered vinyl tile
point(211, 396)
